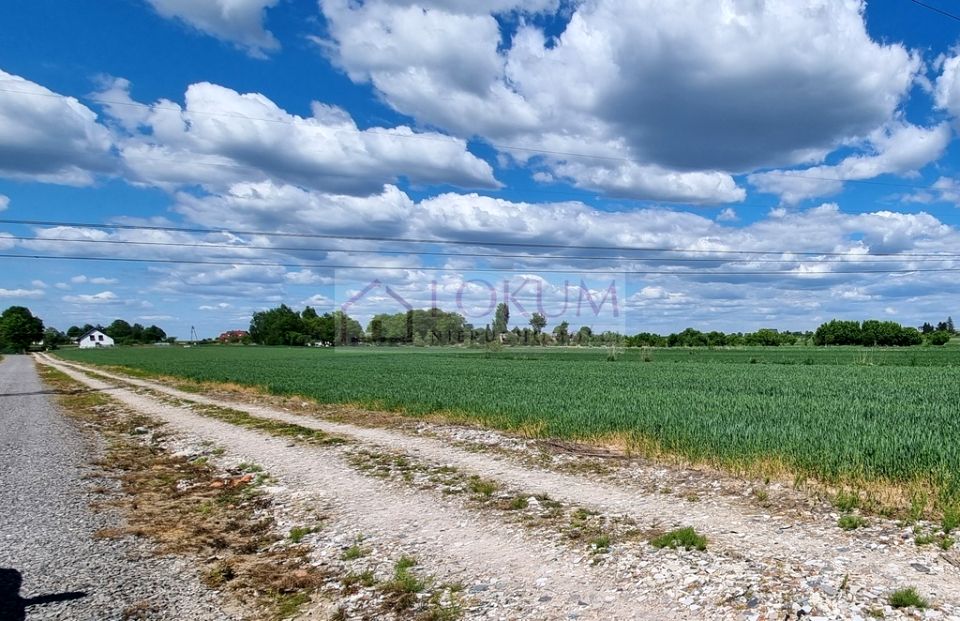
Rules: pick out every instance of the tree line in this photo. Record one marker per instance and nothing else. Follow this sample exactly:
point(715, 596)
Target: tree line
point(285, 326)
point(429, 327)
point(20, 330)
point(122, 333)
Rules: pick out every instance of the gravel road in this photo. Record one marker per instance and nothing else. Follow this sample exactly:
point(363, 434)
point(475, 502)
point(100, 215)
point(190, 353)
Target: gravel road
point(778, 567)
point(51, 567)
point(727, 524)
point(545, 581)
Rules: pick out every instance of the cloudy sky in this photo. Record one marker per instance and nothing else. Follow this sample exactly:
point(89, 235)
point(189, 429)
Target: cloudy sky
point(724, 164)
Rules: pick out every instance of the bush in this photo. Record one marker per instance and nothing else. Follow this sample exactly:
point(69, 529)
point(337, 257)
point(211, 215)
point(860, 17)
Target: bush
point(939, 338)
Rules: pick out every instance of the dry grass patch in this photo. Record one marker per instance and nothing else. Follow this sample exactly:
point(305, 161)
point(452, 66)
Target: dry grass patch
point(186, 507)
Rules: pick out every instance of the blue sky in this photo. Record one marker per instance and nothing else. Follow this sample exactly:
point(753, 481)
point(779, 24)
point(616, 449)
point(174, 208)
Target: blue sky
point(797, 161)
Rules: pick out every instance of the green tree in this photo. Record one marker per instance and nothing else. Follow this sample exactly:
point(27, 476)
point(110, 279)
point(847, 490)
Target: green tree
point(501, 318)
point(53, 338)
point(838, 332)
point(136, 333)
point(19, 328)
point(153, 334)
point(538, 322)
point(376, 330)
point(910, 336)
point(120, 331)
point(561, 332)
point(347, 329)
point(646, 339)
point(277, 326)
point(688, 338)
point(402, 327)
point(318, 327)
point(584, 334)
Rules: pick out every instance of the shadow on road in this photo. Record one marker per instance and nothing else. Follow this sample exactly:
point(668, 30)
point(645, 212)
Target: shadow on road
point(13, 607)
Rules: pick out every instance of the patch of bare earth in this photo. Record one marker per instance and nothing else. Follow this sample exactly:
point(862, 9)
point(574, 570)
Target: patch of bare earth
point(544, 531)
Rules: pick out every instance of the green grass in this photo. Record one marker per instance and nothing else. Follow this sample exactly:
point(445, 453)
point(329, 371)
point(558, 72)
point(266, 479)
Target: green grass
point(951, 519)
point(297, 533)
point(851, 522)
point(907, 598)
point(353, 552)
point(838, 415)
point(519, 503)
point(404, 585)
point(482, 487)
point(846, 501)
point(289, 604)
point(686, 538)
point(601, 544)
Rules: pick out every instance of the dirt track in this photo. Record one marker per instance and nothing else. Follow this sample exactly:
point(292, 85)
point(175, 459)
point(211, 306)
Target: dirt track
point(758, 565)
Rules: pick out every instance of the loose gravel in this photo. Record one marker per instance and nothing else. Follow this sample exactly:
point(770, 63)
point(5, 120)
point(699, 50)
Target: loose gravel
point(759, 565)
point(790, 548)
point(526, 577)
point(51, 564)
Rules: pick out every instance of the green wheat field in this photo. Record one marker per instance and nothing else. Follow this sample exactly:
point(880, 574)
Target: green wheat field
point(838, 415)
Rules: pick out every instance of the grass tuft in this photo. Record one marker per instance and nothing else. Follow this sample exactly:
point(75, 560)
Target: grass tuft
point(353, 553)
point(846, 502)
point(402, 589)
point(601, 544)
point(482, 487)
point(519, 503)
point(907, 598)
point(951, 519)
point(297, 533)
point(686, 538)
point(851, 522)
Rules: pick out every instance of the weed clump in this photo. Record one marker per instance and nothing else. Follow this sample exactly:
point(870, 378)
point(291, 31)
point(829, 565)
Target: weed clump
point(686, 538)
point(851, 522)
point(402, 589)
point(907, 598)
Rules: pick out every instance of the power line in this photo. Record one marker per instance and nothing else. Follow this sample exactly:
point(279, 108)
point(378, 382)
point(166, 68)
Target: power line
point(493, 255)
point(431, 268)
point(936, 10)
point(458, 242)
point(444, 137)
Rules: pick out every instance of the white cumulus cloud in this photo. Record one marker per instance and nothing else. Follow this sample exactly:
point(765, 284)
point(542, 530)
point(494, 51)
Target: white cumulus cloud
point(643, 99)
point(237, 21)
point(899, 149)
point(48, 137)
point(220, 137)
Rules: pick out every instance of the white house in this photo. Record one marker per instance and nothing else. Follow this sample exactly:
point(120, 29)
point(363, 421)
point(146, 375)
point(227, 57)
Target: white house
point(94, 338)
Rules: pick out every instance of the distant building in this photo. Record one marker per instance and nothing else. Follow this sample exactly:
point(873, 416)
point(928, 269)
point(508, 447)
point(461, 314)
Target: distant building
point(233, 336)
point(94, 338)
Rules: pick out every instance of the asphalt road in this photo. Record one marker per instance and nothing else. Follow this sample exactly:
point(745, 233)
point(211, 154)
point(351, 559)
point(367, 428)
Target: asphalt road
point(51, 567)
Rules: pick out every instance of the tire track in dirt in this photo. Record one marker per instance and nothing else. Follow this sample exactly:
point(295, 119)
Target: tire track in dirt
point(725, 523)
point(452, 540)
